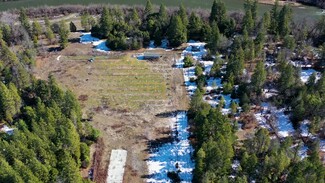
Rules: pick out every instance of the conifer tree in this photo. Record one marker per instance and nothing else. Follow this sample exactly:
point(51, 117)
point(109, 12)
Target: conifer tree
point(148, 9)
point(105, 24)
point(37, 29)
point(63, 33)
point(274, 18)
point(214, 38)
point(182, 14)
point(194, 27)
point(177, 33)
point(259, 77)
point(218, 15)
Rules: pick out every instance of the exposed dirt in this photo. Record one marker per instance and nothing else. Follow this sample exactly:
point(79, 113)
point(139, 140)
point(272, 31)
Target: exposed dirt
point(125, 129)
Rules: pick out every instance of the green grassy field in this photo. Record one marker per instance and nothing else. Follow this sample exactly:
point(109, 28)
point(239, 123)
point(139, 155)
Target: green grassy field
point(232, 5)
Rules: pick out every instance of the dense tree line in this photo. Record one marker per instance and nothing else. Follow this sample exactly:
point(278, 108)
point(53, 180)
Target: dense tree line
point(261, 158)
point(49, 143)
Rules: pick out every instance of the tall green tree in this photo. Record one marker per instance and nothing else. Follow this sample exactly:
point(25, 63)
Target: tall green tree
point(105, 24)
point(148, 9)
point(64, 34)
point(259, 77)
point(194, 27)
point(177, 32)
point(183, 15)
point(284, 21)
point(218, 14)
point(274, 18)
point(7, 104)
point(37, 29)
point(214, 38)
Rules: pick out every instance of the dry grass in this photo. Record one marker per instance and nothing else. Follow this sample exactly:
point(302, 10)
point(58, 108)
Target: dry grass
point(124, 95)
point(116, 83)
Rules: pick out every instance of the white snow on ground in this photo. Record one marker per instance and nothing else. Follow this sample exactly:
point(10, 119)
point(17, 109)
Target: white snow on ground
point(195, 49)
point(304, 128)
point(58, 58)
point(164, 44)
point(116, 166)
point(213, 81)
point(7, 130)
point(270, 93)
point(207, 67)
point(303, 152)
point(305, 74)
point(164, 157)
point(87, 38)
point(284, 125)
point(99, 45)
point(188, 74)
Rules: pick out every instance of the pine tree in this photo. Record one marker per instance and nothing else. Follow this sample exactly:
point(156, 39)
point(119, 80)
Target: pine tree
point(248, 21)
point(148, 9)
point(176, 32)
point(63, 33)
point(105, 24)
point(259, 77)
point(218, 14)
point(214, 38)
point(274, 18)
point(73, 27)
point(37, 29)
point(7, 104)
point(133, 18)
point(183, 15)
point(266, 20)
point(194, 27)
point(254, 11)
point(284, 21)
point(49, 34)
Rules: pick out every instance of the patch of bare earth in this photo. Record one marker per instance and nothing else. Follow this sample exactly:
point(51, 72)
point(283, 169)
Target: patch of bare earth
point(121, 127)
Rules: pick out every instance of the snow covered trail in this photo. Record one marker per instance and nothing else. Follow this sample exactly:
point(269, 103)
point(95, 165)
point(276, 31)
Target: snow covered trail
point(175, 156)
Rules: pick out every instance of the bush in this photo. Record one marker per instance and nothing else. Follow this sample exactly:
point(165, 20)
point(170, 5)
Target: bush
point(188, 61)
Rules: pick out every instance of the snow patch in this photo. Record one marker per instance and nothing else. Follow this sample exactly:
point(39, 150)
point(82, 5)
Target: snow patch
point(305, 74)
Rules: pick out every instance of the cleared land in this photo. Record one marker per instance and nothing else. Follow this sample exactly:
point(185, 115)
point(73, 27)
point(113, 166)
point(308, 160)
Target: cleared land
point(125, 98)
point(300, 12)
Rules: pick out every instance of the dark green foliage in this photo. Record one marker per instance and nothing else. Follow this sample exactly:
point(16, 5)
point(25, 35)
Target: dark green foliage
point(148, 9)
point(49, 140)
point(176, 32)
point(194, 27)
point(214, 38)
point(73, 27)
point(188, 61)
point(63, 33)
point(259, 77)
point(218, 14)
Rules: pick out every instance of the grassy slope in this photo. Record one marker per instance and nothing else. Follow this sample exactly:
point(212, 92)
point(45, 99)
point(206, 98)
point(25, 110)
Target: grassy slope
point(232, 5)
